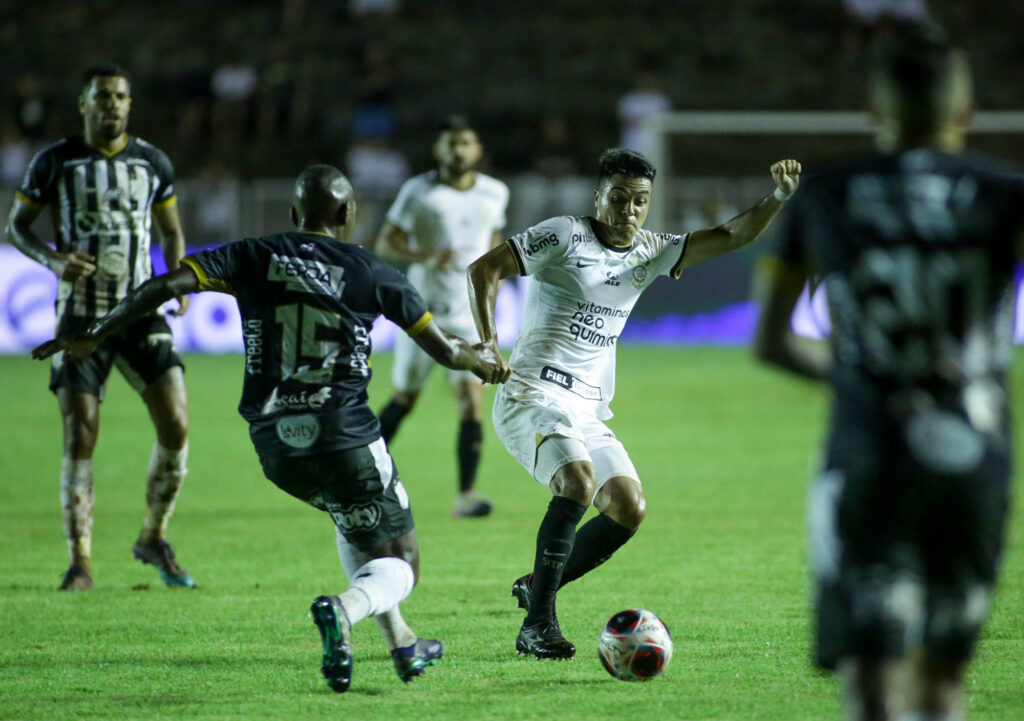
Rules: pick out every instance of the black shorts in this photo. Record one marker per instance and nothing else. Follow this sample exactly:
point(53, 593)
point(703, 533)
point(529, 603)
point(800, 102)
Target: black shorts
point(904, 552)
point(358, 487)
point(143, 352)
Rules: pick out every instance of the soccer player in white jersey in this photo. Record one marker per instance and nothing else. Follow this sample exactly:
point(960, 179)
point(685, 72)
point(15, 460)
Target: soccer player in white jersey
point(440, 222)
point(587, 274)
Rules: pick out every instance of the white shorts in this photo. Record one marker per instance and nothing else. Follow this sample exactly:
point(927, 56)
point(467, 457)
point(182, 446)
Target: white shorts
point(524, 416)
point(413, 365)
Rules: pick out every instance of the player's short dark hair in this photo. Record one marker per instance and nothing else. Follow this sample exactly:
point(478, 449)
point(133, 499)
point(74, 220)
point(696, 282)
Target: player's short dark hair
point(919, 64)
point(622, 161)
point(104, 70)
point(454, 123)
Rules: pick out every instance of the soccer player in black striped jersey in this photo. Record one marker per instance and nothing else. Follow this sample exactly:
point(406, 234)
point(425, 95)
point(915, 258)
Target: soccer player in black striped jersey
point(916, 246)
point(103, 189)
point(307, 304)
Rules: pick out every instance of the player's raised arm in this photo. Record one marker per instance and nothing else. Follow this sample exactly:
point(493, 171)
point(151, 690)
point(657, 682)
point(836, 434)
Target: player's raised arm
point(146, 298)
point(67, 266)
point(747, 226)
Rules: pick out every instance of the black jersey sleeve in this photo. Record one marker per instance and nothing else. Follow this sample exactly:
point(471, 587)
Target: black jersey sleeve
point(397, 300)
point(220, 269)
point(40, 184)
point(165, 175)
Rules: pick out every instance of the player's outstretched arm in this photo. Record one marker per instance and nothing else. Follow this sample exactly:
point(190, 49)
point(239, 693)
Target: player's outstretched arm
point(777, 288)
point(457, 353)
point(146, 298)
point(747, 226)
point(485, 275)
point(392, 245)
point(67, 266)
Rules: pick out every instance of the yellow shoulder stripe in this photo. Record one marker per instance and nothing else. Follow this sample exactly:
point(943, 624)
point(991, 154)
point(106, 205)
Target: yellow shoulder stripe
point(28, 201)
point(169, 203)
point(419, 326)
point(205, 281)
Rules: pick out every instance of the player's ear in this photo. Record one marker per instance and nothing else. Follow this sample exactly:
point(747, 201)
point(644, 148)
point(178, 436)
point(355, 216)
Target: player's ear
point(294, 216)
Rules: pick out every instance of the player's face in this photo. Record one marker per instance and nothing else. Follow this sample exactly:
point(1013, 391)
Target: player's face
point(458, 151)
point(622, 202)
point(104, 105)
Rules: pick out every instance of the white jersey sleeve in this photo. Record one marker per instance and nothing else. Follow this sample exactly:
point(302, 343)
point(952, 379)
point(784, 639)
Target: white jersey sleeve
point(668, 250)
point(402, 213)
point(541, 246)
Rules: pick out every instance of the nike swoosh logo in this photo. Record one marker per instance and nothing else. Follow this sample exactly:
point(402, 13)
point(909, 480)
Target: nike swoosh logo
point(583, 265)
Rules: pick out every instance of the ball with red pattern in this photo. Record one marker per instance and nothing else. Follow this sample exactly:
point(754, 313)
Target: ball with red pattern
point(635, 645)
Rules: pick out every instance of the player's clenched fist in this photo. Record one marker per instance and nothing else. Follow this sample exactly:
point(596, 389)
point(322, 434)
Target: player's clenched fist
point(786, 174)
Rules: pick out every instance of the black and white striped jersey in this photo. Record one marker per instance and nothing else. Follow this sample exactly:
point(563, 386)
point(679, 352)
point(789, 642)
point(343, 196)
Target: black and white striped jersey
point(100, 204)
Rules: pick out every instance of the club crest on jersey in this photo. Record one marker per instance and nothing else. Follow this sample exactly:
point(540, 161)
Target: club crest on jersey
point(638, 276)
point(305, 275)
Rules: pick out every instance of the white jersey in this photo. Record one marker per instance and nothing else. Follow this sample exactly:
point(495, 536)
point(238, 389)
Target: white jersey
point(577, 305)
point(435, 217)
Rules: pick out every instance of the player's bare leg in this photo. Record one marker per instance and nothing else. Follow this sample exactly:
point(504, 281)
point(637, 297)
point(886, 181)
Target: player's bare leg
point(573, 486)
point(622, 509)
point(80, 415)
point(469, 398)
point(874, 690)
point(168, 408)
point(380, 579)
point(392, 414)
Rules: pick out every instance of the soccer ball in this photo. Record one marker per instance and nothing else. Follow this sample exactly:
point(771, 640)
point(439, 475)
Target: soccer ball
point(635, 645)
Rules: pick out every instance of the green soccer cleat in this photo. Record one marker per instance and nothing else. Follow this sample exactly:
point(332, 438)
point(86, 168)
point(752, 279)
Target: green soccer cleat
point(335, 630)
point(161, 556)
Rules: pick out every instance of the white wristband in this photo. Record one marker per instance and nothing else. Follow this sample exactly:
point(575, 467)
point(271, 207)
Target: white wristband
point(781, 195)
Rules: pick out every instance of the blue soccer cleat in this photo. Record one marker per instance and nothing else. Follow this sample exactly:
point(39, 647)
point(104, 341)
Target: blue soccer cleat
point(161, 556)
point(413, 660)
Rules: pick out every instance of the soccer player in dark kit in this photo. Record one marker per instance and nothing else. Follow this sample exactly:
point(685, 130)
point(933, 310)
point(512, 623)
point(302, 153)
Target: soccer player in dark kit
point(915, 245)
point(308, 302)
point(103, 189)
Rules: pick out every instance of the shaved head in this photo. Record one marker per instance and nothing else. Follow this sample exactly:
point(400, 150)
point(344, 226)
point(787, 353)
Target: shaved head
point(321, 191)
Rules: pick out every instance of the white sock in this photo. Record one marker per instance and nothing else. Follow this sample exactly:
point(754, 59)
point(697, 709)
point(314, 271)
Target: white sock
point(164, 479)
point(393, 628)
point(77, 500)
point(377, 587)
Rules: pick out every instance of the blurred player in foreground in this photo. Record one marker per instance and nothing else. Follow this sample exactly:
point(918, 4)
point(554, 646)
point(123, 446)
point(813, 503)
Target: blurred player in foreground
point(916, 246)
point(104, 189)
point(440, 222)
point(587, 274)
point(307, 303)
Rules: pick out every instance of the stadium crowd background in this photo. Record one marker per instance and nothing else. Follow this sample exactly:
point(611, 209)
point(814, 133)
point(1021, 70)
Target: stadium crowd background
point(242, 93)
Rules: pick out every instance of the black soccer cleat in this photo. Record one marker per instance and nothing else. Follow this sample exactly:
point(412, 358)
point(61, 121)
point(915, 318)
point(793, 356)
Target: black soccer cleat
point(161, 556)
point(521, 591)
point(412, 661)
point(476, 508)
point(544, 640)
point(335, 630)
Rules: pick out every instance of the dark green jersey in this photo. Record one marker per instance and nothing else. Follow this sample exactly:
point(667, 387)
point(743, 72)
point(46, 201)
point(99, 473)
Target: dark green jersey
point(307, 303)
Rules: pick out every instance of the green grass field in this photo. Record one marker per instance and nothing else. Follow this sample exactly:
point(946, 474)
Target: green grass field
point(724, 449)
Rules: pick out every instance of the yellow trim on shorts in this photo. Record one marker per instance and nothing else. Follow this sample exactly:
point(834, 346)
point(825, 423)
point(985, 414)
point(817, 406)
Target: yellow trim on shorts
point(205, 281)
point(28, 201)
point(419, 326)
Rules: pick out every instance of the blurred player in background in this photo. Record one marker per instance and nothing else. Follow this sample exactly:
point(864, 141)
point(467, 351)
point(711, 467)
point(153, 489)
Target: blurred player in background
point(916, 246)
point(104, 188)
point(587, 274)
point(440, 222)
point(307, 303)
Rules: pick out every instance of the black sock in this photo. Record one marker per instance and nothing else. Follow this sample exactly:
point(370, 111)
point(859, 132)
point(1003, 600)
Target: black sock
point(470, 438)
point(596, 541)
point(391, 416)
point(554, 544)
